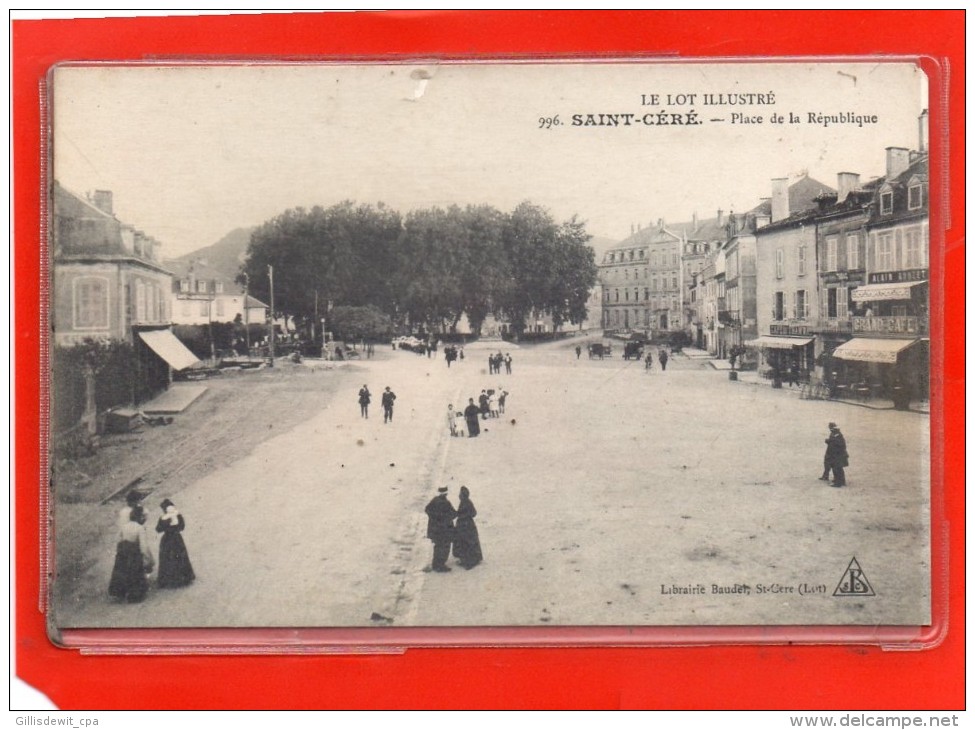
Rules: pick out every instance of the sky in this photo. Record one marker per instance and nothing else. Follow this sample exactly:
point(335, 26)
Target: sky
point(192, 152)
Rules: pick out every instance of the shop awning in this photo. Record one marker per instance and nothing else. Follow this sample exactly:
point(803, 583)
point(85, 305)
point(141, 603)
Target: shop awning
point(882, 292)
point(779, 343)
point(170, 349)
point(863, 349)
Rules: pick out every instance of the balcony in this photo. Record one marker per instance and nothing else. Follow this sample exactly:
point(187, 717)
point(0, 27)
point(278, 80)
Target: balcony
point(916, 326)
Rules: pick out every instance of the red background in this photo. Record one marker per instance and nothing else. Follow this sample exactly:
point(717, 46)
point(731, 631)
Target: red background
point(718, 677)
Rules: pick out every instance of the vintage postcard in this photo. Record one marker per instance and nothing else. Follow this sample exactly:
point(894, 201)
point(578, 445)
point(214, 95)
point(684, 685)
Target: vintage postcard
point(594, 344)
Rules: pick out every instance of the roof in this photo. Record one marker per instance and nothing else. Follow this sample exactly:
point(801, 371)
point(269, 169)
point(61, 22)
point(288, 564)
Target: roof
point(802, 197)
point(253, 303)
point(200, 269)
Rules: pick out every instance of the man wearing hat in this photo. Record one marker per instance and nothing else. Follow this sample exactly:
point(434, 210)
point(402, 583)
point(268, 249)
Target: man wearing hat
point(440, 528)
point(836, 457)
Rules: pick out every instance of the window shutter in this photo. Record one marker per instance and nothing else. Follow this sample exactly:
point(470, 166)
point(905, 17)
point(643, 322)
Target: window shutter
point(898, 250)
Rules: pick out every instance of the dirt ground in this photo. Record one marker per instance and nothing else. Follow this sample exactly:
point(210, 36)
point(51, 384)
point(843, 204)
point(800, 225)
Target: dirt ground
point(606, 496)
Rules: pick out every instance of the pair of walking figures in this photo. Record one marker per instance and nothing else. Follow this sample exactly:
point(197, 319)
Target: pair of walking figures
point(444, 533)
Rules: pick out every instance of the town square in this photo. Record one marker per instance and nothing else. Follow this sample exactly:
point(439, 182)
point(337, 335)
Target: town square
point(351, 366)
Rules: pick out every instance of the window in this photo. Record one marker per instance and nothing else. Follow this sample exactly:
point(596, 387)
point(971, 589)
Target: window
point(912, 249)
point(140, 301)
point(641, 254)
point(646, 294)
point(802, 261)
point(201, 287)
point(674, 283)
point(218, 287)
point(779, 263)
point(631, 255)
point(653, 283)
point(886, 203)
point(831, 246)
point(612, 258)
point(205, 309)
point(184, 285)
point(91, 303)
point(673, 259)
point(219, 307)
point(842, 302)
point(802, 304)
point(185, 308)
point(626, 295)
point(778, 306)
point(617, 292)
point(852, 252)
point(885, 252)
point(914, 197)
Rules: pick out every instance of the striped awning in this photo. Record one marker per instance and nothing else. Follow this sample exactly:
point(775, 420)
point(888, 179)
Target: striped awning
point(165, 344)
point(863, 349)
point(779, 343)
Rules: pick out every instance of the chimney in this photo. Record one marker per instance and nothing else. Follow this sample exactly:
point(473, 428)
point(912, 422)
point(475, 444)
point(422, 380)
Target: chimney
point(846, 182)
point(694, 220)
point(898, 159)
point(102, 199)
point(720, 217)
point(922, 131)
point(780, 198)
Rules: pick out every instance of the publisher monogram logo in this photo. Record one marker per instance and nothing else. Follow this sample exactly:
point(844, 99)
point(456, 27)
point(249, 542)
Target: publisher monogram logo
point(854, 582)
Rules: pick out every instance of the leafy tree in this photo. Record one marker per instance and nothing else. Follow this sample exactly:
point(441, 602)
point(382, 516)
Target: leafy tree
point(367, 322)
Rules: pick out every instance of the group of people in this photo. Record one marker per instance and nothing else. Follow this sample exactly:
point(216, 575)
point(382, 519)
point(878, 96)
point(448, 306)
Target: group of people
point(662, 356)
point(446, 534)
point(490, 404)
point(452, 353)
point(496, 361)
point(134, 561)
point(388, 399)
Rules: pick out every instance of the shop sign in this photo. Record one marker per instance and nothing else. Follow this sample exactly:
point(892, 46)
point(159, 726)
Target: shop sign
point(897, 277)
point(790, 329)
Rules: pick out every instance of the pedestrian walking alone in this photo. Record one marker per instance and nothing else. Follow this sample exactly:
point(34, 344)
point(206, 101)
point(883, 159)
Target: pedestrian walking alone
point(836, 457)
point(648, 362)
point(471, 414)
point(440, 528)
point(507, 363)
point(467, 543)
point(389, 397)
point(175, 569)
point(364, 397)
point(502, 397)
point(133, 560)
point(578, 352)
point(663, 356)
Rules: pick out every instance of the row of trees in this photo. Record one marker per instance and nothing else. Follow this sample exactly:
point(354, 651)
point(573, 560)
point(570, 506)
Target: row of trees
point(427, 268)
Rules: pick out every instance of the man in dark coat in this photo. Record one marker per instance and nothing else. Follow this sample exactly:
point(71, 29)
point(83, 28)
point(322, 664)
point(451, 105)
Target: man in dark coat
point(662, 356)
point(440, 528)
point(389, 397)
point(836, 457)
point(470, 415)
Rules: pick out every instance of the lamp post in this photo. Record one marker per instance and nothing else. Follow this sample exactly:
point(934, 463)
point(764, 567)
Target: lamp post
point(270, 322)
point(247, 323)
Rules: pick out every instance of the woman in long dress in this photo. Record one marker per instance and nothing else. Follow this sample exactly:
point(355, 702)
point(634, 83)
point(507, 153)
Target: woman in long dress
point(467, 544)
point(175, 569)
point(133, 560)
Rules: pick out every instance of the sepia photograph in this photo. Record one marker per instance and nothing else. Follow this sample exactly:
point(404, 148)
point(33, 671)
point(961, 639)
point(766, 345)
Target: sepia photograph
point(489, 344)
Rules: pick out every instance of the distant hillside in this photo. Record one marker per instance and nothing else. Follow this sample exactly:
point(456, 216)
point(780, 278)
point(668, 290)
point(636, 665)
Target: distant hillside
point(226, 255)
